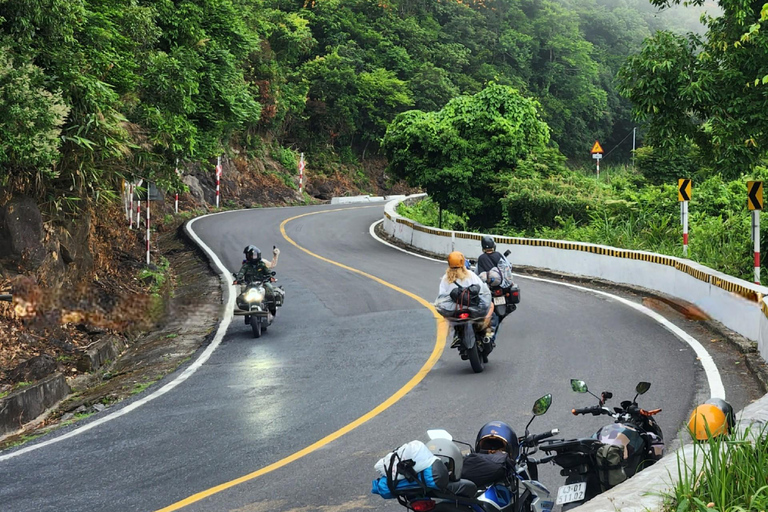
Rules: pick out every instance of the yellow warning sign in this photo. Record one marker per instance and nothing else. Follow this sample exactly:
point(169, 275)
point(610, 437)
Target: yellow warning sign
point(596, 148)
point(683, 190)
point(755, 195)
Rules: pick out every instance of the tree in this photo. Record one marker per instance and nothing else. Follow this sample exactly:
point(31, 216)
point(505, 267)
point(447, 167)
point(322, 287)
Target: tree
point(710, 90)
point(459, 154)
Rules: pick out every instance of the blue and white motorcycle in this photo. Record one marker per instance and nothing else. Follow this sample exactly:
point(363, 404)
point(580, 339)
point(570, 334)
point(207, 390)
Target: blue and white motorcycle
point(518, 491)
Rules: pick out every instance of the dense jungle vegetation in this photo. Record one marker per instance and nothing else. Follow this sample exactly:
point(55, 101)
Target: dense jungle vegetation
point(488, 105)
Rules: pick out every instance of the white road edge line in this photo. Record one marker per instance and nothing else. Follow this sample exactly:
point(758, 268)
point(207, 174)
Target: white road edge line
point(223, 325)
point(716, 388)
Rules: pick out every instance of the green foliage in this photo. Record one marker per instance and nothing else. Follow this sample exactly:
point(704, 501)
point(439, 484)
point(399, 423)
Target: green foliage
point(427, 212)
point(706, 89)
point(726, 473)
point(660, 166)
point(458, 153)
point(30, 127)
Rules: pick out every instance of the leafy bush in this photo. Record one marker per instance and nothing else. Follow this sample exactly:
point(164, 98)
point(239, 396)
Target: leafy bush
point(727, 473)
point(427, 212)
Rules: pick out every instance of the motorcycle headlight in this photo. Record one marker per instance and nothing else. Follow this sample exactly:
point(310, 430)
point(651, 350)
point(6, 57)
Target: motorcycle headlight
point(254, 295)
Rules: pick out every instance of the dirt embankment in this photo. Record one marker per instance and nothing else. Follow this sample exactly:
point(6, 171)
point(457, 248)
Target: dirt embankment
point(80, 281)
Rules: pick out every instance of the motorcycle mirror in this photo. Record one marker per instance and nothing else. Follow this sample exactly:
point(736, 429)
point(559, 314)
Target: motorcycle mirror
point(439, 433)
point(607, 395)
point(542, 405)
point(579, 386)
point(643, 387)
point(507, 253)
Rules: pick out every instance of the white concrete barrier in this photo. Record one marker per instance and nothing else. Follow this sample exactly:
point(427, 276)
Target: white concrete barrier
point(357, 199)
point(737, 304)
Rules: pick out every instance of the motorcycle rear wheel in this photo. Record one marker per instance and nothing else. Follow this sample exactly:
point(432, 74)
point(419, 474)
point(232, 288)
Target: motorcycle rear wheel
point(256, 326)
point(475, 359)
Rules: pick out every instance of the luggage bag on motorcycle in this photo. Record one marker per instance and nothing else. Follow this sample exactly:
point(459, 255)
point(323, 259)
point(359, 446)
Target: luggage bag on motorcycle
point(619, 455)
point(434, 477)
point(484, 469)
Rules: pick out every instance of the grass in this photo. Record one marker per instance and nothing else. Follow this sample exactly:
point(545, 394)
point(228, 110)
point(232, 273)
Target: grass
point(726, 474)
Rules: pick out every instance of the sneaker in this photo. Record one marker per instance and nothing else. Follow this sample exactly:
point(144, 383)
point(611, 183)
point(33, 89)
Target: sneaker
point(456, 342)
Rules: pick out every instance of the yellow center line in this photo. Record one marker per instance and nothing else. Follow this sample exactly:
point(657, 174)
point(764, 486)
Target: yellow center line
point(442, 331)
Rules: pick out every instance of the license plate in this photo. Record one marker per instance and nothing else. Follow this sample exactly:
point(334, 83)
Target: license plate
point(500, 301)
point(572, 492)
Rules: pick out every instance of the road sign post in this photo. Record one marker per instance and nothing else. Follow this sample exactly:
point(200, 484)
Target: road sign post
point(597, 154)
point(684, 195)
point(755, 203)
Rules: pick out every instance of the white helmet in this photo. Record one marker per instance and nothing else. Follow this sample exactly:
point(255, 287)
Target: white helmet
point(449, 454)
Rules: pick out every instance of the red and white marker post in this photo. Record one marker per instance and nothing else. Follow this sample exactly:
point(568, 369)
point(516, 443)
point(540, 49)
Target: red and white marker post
point(130, 208)
point(148, 208)
point(218, 180)
point(684, 192)
point(684, 213)
point(301, 174)
point(176, 202)
point(755, 203)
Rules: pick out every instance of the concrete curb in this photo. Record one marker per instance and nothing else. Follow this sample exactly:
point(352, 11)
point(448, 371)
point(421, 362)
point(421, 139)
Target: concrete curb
point(28, 403)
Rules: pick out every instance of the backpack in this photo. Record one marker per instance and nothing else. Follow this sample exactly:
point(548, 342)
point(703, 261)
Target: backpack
point(505, 268)
point(610, 465)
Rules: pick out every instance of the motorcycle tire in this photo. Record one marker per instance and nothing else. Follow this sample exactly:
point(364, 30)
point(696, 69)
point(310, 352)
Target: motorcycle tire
point(256, 326)
point(475, 359)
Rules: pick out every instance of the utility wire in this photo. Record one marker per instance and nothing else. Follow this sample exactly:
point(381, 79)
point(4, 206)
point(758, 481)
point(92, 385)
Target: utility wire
point(619, 144)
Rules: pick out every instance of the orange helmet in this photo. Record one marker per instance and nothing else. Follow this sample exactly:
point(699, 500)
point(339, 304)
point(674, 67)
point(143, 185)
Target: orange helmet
point(455, 259)
point(713, 418)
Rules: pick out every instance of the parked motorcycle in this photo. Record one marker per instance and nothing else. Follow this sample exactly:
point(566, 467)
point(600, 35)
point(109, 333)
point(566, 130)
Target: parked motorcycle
point(517, 491)
point(255, 306)
point(614, 453)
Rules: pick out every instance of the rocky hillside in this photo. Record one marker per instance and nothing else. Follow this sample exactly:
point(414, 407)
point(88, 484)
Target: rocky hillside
point(77, 277)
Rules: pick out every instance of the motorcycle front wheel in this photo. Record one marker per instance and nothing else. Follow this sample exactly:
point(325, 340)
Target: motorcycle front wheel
point(256, 326)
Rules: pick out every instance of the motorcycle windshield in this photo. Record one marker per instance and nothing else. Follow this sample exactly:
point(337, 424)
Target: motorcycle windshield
point(621, 434)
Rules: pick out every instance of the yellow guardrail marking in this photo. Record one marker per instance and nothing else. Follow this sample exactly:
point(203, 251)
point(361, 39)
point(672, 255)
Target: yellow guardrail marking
point(442, 332)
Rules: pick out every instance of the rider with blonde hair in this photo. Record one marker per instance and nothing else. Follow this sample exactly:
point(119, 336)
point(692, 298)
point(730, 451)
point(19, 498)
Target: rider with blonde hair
point(457, 274)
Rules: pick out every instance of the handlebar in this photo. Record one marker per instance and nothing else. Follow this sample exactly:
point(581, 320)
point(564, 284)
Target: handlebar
point(534, 439)
point(594, 410)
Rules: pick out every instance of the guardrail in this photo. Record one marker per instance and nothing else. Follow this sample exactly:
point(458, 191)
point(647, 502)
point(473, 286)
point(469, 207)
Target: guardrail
point(735, 303)
point(6, 297)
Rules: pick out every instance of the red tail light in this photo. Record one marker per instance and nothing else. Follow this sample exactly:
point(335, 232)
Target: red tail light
point(515, 294)
point(423, 505)
point(498, 292)
point(462, 316)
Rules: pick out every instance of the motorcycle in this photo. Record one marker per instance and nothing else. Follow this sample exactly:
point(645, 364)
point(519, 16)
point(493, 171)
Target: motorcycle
point(472, 346)
point(505, 300)
point(255, 306)
point(613, 454)
point(517, 491)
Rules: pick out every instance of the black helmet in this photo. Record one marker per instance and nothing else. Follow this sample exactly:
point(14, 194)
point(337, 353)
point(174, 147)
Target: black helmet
point(487, 243)
point(252, 253)
point(497, 436)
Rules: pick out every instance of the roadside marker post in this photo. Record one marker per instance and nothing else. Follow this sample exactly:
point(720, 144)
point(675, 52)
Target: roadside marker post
point(755, 203)
point(178, 173)
point(684, 195)
point(597, 154)
point(218, 180)
point(301, 174)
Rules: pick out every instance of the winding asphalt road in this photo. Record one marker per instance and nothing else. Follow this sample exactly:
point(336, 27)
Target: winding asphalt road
point(234, 436)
